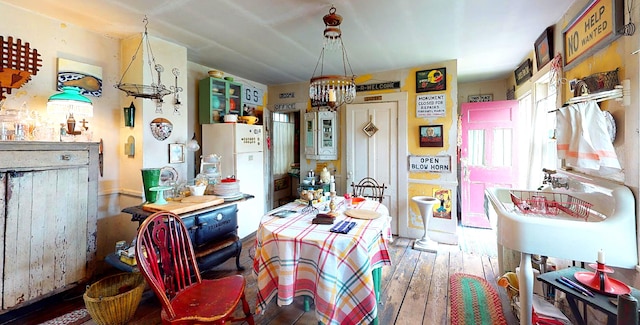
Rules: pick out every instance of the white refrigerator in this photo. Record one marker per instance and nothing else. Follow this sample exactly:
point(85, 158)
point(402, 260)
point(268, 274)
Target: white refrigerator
point(241, 148)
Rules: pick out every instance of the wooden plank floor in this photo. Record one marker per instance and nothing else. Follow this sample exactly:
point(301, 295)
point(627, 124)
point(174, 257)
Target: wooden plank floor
point(414, 288)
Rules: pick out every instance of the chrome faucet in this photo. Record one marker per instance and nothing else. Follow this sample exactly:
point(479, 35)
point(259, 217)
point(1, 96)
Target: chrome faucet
point(556, 182)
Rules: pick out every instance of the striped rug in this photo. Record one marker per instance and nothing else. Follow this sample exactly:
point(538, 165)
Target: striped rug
point(474, 301)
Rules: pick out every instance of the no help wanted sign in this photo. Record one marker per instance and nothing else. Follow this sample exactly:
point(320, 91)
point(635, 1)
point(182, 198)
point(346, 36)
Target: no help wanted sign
point(432, 164)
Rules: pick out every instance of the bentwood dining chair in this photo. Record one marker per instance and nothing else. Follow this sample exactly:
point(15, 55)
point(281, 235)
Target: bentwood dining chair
point(369, 188)
point(166, 259)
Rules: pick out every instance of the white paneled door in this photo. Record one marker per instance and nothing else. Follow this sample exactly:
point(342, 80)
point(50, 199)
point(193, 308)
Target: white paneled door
point(373, 152)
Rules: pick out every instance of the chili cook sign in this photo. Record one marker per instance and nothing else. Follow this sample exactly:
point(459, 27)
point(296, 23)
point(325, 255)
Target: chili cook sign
point(594, 28)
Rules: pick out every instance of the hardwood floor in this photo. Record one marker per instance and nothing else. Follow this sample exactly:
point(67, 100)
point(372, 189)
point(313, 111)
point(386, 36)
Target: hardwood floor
point(414, 289)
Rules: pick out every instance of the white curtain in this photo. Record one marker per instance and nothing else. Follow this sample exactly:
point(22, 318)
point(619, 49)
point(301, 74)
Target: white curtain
point(541, 148)
point(283, 141)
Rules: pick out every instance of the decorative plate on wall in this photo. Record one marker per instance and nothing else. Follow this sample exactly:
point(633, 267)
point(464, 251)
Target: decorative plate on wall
point(161, 128)
point(168, 175)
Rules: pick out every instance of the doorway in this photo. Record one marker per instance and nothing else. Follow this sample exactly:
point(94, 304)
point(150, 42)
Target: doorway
point(285, 146)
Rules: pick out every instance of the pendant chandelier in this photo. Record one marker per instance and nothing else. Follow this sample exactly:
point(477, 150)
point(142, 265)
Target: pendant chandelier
point(155, 91)
point(332, 90)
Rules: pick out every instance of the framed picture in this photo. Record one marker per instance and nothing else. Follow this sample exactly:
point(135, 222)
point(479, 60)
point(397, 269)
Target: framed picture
point(431, 80)
point(544, 48)
point(370, 129)
point(442, 210)
point(524, 72)
point(176, 153)
point(431, 136)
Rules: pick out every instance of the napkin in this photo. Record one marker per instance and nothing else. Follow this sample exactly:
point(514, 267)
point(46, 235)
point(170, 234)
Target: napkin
point(343, 227)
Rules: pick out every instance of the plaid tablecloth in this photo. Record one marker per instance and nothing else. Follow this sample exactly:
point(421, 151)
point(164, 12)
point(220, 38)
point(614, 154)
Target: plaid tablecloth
point(295, 257)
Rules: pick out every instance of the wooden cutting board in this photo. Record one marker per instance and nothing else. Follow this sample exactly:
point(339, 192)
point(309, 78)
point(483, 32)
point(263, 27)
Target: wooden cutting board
point(362, 214)
point(188, 204)
point(199, 199)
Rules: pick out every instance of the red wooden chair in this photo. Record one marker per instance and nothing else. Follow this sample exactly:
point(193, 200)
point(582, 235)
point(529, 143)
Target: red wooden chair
point(166, 259)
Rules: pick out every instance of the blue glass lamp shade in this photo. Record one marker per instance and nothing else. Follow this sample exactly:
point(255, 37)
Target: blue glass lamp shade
point(70, 101)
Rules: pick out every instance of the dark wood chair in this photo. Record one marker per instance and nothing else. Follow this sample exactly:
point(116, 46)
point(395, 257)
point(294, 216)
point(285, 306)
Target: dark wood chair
point(369, 188)
point(166, 259)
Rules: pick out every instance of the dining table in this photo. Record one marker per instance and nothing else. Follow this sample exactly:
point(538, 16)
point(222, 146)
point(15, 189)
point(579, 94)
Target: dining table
point(339, 271)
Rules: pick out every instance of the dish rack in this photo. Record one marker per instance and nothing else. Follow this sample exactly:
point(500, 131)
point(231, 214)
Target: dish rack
point(548, 203)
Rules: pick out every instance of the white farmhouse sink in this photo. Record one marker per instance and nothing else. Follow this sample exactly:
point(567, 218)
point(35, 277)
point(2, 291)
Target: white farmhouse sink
point(610, 227)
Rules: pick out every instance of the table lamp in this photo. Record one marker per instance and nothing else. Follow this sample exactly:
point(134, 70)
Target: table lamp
point(71, 104)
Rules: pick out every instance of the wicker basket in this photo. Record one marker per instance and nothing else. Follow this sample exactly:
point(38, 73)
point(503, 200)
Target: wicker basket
point(114, 299)
point(602, 81)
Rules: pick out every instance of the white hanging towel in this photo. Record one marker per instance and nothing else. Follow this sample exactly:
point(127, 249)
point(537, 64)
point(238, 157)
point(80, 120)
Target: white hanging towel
point(583, 140)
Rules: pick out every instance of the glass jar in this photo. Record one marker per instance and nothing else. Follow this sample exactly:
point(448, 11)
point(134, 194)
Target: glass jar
point(7, 130)
point(201, 179)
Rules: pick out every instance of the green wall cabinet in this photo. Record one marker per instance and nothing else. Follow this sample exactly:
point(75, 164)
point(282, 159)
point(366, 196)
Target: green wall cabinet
point(217, 98)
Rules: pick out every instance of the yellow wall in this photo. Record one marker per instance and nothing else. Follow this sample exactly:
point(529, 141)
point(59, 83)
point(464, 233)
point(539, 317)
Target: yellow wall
point(617, 54)
point(418, 183)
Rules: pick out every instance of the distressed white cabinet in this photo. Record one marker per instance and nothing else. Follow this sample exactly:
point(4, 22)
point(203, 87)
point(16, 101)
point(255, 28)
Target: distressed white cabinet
point(48, 199)
point(321, 135)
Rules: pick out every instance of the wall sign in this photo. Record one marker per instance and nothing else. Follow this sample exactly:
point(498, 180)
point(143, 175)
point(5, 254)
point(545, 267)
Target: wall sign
point(431, 164)
point(442, 210)
point(594, 28)
point(287, 95)
point(379, 86)
point(252, 95)
point(480, 98)
point(524, 72)
point(431, 105)
point(372, 98)
point(283, 107)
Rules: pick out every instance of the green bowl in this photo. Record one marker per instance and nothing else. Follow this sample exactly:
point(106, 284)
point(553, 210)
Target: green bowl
point(228, 78)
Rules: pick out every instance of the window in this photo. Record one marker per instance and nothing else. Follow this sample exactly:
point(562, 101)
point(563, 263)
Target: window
point(476, 148)
point(501, 148)
point(538, 127)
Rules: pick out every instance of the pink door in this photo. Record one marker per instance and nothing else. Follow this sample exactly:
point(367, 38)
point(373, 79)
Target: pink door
point(488, 155)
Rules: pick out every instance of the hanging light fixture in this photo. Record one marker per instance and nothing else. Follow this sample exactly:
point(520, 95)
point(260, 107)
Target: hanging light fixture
point(72, 104)
point(332, 90)
point(155, 91)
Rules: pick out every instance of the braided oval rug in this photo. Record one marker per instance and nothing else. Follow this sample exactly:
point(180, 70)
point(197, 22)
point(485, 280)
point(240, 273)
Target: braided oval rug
point(474, 301)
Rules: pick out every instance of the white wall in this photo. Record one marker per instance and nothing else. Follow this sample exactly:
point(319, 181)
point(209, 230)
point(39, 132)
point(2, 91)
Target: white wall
point(55, 39)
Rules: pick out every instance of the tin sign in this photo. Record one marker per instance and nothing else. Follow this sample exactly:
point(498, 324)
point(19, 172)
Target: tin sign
point(431, 105)
point(431, 164)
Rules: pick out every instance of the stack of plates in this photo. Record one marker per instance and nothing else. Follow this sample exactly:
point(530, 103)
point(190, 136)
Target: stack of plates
point(227, 189)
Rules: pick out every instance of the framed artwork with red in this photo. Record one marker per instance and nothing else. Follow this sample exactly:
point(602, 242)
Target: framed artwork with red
point(431, 136)
point(431, 80)
point(544, 48)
